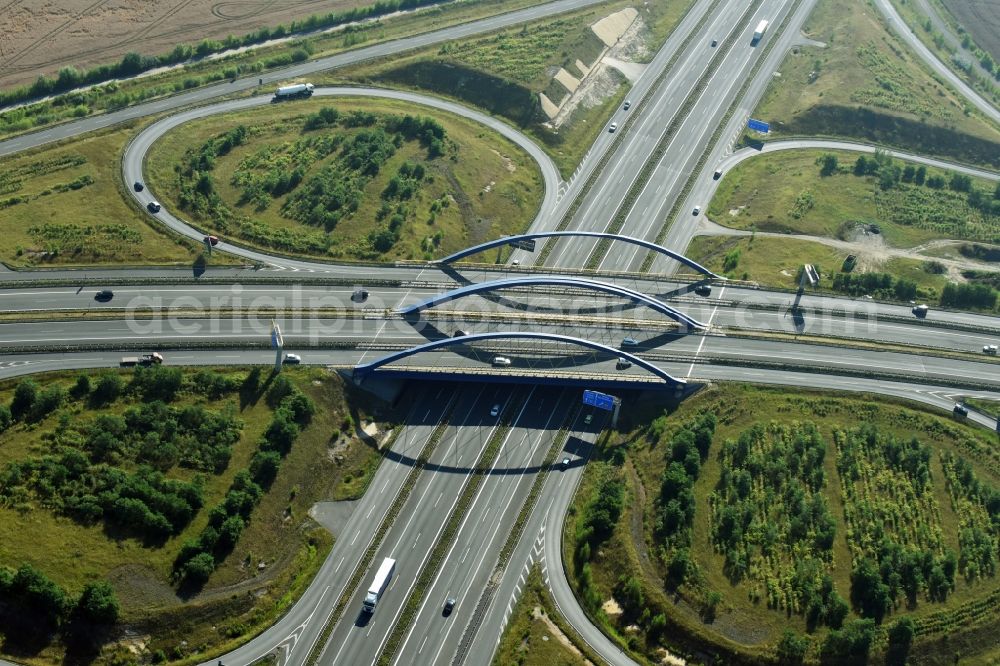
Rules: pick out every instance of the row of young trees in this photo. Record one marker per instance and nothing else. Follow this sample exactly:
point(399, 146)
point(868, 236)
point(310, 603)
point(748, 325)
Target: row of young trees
point(133, 63)
point(198, 558)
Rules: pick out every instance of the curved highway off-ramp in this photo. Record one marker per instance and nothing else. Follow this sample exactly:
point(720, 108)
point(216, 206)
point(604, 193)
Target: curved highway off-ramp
point(135, 154)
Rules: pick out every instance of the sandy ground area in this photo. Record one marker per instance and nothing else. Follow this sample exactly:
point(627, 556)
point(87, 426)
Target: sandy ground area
point(38, 37)
point(622, 33)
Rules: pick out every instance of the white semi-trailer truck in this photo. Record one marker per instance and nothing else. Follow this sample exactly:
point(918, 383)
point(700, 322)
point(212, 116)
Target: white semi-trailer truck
point(291, 92)
point(379, 585)
point(759, 32)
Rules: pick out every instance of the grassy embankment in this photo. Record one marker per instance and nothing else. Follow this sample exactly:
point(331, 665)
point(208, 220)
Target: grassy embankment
point(199, 72)
point(504, 72)
point(64, 205)
point(535, 634)
point(864, 84)
point(764, 525)
point(72, 543)
point(908, 207)
point(352, 194)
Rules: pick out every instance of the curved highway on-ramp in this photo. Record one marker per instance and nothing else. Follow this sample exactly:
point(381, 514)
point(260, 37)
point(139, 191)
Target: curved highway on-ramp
point(135, 154)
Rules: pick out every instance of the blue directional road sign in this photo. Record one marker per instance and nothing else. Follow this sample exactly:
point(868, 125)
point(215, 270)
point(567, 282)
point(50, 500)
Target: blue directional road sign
point(599, 400)
point(758, 125)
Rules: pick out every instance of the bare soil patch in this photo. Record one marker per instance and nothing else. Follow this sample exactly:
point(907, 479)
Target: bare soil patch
point(39, 38)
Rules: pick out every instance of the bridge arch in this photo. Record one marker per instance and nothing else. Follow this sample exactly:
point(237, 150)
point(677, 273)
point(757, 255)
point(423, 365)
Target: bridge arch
point(364, 369)
point(461, 254)
point(555, 280)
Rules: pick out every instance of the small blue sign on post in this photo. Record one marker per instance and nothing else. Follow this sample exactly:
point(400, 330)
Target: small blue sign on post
point(599, 400)
point(758, 125)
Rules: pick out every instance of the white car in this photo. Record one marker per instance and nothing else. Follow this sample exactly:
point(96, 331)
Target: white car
point(990, 349)
point(501, 360)
point(613, 127)
point(495, 411)
point(292, 359)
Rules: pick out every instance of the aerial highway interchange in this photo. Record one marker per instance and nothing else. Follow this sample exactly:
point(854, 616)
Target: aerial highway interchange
point(688, 106)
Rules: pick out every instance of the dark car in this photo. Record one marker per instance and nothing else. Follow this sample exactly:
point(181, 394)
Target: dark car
point(153, 206)
point(137, 186)
point(359, 295)
point(715, 42)
point(104, 295)
point(449, 606)
point(459, 333)
point(212, 240)
point(703, 290)
point(960, 411)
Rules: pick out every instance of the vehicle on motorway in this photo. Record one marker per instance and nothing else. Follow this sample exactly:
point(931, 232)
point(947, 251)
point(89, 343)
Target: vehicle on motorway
point(212, 240)
point(587, 419)
point(759, 32)
point(565, 463)
point(630, 342)
point(153, 358)
point(920, 310)
point(379, 584)
point(613, 127)
point(137, 186)
point(449, 606)
point(627, 105)
point(715, 42)
point(501, 360)
point(717, 175)
point(623, 363)
point(960, 411)
point(292, 359)
point(516, 262)
point(990, 349)
point(104, 295)
point(495, 411)
point(697, 209)
point(459, 333)
point(359, 295)
point(293, 91)
point(153, 206)
point(703, 290)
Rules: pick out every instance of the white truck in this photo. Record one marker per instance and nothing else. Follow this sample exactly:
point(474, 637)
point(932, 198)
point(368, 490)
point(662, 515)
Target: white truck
point(155, 358)
point(294, 91)
point(378, 586)
point(759, 32)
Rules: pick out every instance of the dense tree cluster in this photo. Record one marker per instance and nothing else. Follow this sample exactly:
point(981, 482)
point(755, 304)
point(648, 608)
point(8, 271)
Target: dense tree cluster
point(111, 468)
point(33, 607)
point(980, 504)
point(889, 499)
point(771, 520)
point(198, 558)
point(880, 285)
point(969, 295)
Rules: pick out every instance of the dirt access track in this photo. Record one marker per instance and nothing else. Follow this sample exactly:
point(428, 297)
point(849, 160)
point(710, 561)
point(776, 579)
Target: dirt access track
point(40, 36)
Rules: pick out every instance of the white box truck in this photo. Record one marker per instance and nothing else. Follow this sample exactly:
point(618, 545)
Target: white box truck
point(759, 32)
point(378, 586)
point(291, 92)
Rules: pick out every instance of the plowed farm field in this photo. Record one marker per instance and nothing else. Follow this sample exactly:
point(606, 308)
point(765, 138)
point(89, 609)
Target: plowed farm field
point(40, 36)
point(982, 19)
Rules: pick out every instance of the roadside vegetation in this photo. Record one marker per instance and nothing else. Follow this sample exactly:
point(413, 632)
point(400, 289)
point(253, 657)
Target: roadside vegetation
point(199, 69)
point(145, 502)
point(973, 63)
point(63, 205)
point(760, 526)
point(504, 72)
point(536, 634)
point(347, 179)
point(865, 84)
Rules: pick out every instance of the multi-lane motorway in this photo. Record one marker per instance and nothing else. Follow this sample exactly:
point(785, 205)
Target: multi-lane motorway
point(633, 177)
